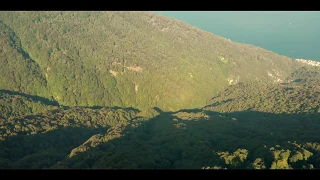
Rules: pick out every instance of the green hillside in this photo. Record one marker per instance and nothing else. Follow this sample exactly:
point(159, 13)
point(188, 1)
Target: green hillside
point(19, 72)
point(300, 95)
point(41, 140)
point(127, 59)
point(266, 127)
point(15, 104)
point(136, 90)
point(249, 133)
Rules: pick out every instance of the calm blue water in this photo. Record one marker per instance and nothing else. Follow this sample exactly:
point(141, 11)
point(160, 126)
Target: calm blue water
point(294, 34)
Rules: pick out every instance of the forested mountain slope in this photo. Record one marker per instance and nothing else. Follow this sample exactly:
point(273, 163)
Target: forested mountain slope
point(266, 127)
point(139, 90)
point(15, 104)
point(126, 59)
point(301, 94)
point(18, 71)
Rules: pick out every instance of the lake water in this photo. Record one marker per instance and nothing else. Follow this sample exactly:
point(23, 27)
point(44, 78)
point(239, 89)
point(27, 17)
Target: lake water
point(294, 34)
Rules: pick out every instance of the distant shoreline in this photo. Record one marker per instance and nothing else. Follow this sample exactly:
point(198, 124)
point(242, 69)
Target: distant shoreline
point(309, 62)
point(269, 30)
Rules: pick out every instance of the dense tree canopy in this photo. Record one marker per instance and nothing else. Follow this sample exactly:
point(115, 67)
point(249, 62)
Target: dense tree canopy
point(126, 59)
point(138, 90)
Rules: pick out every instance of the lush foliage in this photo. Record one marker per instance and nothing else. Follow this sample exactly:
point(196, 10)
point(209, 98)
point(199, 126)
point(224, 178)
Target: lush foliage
point(70, 83)
point(265, 97)
point(126, 59)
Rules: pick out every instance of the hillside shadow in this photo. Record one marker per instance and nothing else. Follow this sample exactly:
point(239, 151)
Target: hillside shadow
point(43, 100)
point(44, 149)
point(184, 139)
point(168, 141)
point(113, 107)
point(47, 101)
